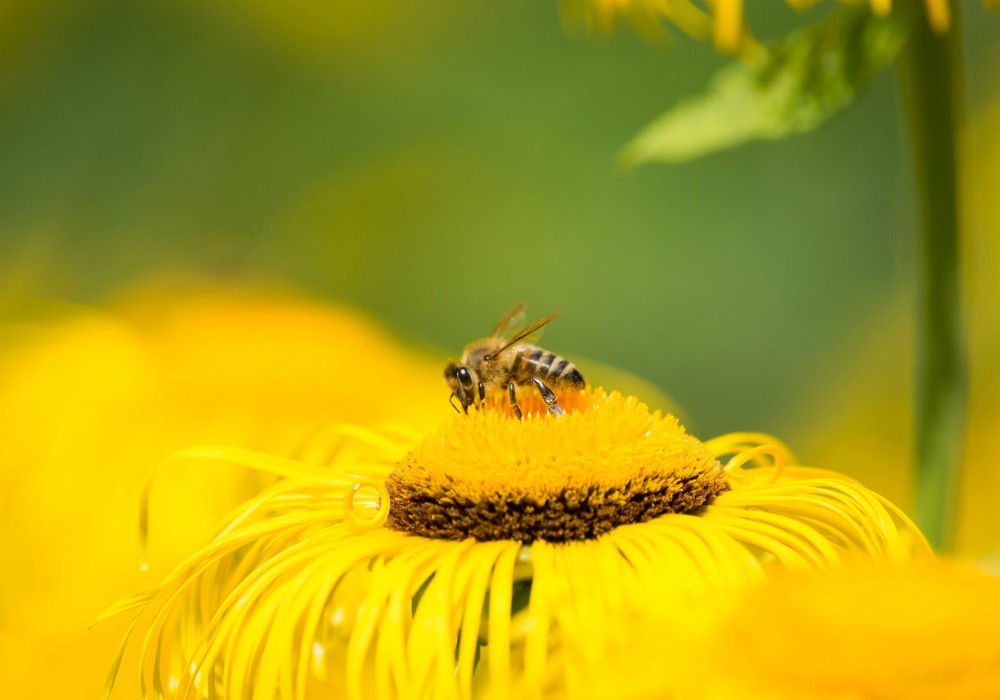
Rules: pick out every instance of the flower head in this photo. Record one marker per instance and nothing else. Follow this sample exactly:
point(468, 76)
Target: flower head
point(724, 19)
point(489, 477)
point(646, 16)
point(91, 399)
point(920, 631)
point(493, 555)
point(925, 630)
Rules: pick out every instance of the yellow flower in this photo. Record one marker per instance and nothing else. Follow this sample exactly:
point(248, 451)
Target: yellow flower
point(869, 393)
point(492, 556)
point(645, 15)
point(724, 20)
point(91, 399)
point(923, 631)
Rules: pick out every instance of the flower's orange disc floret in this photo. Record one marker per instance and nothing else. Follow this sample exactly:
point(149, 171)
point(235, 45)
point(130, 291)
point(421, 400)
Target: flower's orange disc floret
point(608, 462)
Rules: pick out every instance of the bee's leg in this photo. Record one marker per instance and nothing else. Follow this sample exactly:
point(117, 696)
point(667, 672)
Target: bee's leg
point(550, 398)
point(512, 392)
point(482, 396)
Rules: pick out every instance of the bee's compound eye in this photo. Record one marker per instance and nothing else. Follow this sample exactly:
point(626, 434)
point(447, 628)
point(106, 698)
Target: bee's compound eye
point(463, 375)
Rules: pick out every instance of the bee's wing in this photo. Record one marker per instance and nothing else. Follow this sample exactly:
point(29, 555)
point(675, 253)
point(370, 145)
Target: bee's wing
point(510, 321)
point(529, 334)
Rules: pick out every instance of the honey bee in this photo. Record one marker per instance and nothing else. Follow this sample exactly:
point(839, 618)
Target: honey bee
point(507, 360)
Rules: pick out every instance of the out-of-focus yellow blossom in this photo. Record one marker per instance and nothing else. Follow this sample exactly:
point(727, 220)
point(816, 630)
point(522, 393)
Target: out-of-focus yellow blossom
point(923, 631)
point(492, 557)
point(866, 391)
point(724, 18)
point(91, 400)
point(646, 16)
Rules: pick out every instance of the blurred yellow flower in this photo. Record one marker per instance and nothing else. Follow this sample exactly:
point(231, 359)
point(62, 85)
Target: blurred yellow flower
point(923, 631)
point(866, 389)
point(91, 400)
point(724, 18)
point(645, 16)
point(389, 570)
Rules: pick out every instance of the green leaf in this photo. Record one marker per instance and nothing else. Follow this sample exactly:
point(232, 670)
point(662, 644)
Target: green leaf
point(788, 88)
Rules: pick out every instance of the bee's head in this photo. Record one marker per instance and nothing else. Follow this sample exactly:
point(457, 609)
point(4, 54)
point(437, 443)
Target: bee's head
point(462, 384)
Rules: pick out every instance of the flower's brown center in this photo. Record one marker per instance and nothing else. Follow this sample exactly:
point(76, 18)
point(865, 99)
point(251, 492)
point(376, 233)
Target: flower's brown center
point(607, 462)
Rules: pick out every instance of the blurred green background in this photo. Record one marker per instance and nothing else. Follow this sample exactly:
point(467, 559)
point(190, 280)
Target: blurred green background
point(435, 162)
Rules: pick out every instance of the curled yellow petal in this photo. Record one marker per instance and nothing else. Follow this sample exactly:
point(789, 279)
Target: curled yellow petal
point(321, 584)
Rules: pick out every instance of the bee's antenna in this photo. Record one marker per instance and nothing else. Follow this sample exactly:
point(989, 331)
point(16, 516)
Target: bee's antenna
point(452, 402)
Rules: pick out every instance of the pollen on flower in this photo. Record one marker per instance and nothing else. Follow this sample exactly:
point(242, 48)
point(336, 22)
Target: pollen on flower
point(608, 462)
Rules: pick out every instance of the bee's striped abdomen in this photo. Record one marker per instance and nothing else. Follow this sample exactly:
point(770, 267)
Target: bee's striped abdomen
point(557, 371)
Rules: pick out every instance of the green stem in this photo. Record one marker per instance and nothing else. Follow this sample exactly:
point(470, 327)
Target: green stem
point(930, 79)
